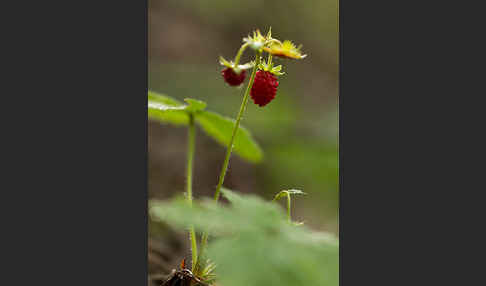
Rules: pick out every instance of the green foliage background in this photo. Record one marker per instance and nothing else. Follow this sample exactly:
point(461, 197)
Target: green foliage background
point(298, 131)
point(254, 245)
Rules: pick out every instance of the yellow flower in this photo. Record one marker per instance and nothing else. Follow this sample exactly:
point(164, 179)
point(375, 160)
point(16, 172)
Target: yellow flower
point(285, 50)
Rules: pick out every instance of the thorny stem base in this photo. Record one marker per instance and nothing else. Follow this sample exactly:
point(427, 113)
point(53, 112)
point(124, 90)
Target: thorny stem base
point(190, 157)
point(229, 149)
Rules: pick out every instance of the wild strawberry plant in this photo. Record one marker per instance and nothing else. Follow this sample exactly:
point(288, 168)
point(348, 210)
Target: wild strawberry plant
point(253, 242)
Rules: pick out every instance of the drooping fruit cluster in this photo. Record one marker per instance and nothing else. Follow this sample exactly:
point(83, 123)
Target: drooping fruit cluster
point(264, 88)
point(232, 78)
point(265, 83)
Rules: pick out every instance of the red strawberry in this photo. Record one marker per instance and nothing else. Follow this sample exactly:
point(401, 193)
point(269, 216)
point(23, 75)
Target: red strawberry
point(264, 88)
point(232, 78)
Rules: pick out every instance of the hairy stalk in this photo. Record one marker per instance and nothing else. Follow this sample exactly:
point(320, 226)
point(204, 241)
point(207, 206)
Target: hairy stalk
point(190, 157)
point(229, 149)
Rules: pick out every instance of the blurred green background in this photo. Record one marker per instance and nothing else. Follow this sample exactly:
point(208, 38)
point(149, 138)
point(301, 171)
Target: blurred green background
point(298, 131)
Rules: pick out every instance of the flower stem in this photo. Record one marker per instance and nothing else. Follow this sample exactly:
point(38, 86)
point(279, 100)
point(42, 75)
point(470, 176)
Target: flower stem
point(229, 149)
point(190, 157)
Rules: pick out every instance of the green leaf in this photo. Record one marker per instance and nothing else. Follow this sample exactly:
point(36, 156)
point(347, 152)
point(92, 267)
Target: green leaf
point(195, 105)
point(166, 109)
point(220, 128)
point(232, 196)
point(164, 99)
point(252, 244)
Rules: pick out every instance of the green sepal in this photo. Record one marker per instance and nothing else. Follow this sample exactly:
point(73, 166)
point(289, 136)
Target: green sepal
point(236, 69)
point(270, 68)
point(257, 41)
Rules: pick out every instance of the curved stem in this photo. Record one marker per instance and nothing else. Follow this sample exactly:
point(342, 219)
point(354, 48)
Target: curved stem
point(240, 52)
point(229, 149)
point(190, 157)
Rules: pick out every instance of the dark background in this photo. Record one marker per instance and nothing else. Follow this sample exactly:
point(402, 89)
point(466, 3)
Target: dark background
point(74, 199)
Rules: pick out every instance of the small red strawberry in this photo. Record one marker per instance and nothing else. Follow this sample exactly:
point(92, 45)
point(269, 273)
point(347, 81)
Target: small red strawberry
point(233, 78)
point(264, 88)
